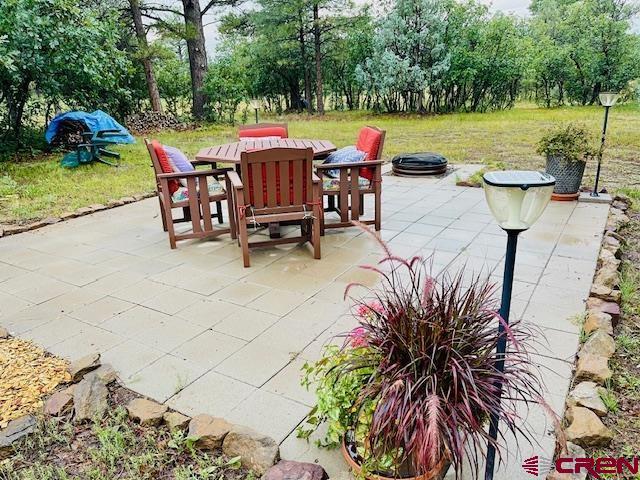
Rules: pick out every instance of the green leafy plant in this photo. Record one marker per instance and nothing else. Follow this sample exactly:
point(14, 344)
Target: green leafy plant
point(572, 142)
point(413, 386)
point(609, 399)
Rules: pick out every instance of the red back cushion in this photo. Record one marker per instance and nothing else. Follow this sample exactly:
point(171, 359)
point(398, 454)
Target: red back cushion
point(264, 132)
point(165, 165)
point(369, 142)
point(278, 186)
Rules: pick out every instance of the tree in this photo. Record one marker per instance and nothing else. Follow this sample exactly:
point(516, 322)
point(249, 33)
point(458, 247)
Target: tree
point(145, 57)
point(57, 51)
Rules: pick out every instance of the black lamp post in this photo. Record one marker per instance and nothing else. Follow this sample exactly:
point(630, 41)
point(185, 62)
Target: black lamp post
point(516, 199)
point(255, 104)
point(608, 100)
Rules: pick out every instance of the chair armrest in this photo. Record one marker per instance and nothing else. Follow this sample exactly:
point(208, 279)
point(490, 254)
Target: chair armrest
point(236, 183)
point(338, 166)
point(195, 173)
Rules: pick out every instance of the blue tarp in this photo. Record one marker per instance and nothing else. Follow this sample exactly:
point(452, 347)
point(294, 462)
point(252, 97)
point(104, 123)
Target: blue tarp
point(95, 121)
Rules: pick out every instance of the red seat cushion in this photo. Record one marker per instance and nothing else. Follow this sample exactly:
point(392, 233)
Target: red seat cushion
point(369, 142)
point(165, 165)
point(264, 132)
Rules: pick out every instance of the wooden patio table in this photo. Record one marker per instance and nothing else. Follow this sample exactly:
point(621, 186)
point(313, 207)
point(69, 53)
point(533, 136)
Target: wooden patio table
point(230, 153)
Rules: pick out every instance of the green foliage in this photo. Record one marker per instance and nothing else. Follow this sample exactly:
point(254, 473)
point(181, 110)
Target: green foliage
point(572, 142)
point(225, 86)
point(609, 399)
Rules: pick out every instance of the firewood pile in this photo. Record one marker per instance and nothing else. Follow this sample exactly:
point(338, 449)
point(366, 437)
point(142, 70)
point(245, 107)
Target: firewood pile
point(145, 122)
point(69, 135)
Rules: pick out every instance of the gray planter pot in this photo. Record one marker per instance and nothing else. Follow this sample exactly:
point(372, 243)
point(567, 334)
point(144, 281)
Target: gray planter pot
point(568, 175)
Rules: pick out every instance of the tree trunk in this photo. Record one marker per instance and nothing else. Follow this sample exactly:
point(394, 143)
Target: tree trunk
point(143, 47)
point(318, 51)
point(305, 67)
point(197, 54)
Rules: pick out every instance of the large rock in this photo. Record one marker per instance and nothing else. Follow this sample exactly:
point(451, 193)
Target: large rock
point(175, 420)
point(600, 344)
point(60, 402)
point(80, 367)
point(598, 321)
point(608, 275)
point(587, 395)
point(586, 429)
point(15, 430)
point(105, 373)
point(256, 451)
point(89, 398)
point(573, 451)
point(593, 368)
point(288, 470)
point(605, 293)
point(208, 432)
point(599, 305)
point(146, 412)
point(4, 333)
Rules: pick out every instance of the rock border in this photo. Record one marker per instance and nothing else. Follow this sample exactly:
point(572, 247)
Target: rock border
point(582, 426)
point(86, 396)
point(8, 229)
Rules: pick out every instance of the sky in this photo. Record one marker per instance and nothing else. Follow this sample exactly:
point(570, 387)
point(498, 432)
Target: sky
point(516, 7)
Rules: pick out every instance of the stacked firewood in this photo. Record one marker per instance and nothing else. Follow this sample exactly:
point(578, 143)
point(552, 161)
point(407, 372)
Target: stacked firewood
point(69, 134)
point(145, 122)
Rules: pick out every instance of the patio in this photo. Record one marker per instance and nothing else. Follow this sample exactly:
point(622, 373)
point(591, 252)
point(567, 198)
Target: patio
point(193, 328)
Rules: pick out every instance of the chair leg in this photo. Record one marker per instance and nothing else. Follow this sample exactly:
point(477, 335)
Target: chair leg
point(186, 213)
point(219, 210)
point(315, 236)
point(378, 210)
point(162, 214)
point(170, 229)
point(331, 203)
point(361, 204)
point(243, 238)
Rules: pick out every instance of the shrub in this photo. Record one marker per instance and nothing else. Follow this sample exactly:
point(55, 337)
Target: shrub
point(573, 142)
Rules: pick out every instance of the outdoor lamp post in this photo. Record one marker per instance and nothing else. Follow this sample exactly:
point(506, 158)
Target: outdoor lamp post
point(608, 100)
point(255, 104)
point(516, 199)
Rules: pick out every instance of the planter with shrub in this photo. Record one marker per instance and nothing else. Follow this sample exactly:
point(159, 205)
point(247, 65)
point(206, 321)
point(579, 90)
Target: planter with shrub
point(567, 150)
point(410, 392)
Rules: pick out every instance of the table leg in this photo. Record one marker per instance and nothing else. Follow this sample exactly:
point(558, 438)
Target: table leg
point(274, 230)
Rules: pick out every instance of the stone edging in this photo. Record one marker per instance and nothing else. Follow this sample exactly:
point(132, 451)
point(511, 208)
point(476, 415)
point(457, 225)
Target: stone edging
point(87, 396)
point(6, 230)
point(583, 426)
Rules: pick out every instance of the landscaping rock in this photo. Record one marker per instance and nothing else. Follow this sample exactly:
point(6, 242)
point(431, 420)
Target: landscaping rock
point(288, 470)
point(599, 305)
point(593, 368)
point(60, 402)
point(598, 321)
point(209, 432)
point(89, 398)
point(587, 395)
point(605, 293)
point(114, 203)
point(4, 333)
point(586, 429)
point(80, 367)
point(127, 199)
point(83, 211)
point(611, 244)
point(96, 207)
point(105, 373)
point(146, 412)
point(608, 274)
point(13, 229)
point(599, 344)
point(573, 451)
point(256, 451)
point(620, 205)
point(15, 430)
point(175, 420)
point(68, 215)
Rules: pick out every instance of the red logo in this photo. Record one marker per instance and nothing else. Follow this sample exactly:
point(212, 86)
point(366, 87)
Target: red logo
point(540, 466)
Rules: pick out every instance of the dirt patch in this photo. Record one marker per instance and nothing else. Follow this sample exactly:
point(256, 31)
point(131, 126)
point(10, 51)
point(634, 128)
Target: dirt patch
point(27, 375)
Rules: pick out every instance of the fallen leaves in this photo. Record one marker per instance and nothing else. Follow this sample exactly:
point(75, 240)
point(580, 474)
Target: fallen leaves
point(27, 375)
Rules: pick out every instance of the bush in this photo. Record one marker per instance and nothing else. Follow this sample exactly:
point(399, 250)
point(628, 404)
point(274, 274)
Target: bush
point(573, 142)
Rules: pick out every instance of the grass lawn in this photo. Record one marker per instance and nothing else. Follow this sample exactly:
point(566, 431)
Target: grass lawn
point(32, 188)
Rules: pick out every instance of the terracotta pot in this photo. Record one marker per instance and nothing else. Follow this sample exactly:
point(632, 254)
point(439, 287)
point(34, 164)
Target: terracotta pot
point(435, 473)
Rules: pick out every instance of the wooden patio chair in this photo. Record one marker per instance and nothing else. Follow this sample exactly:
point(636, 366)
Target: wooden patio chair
point(261, 130)
point(346, 194)
point(196, 208)
point(277, 185)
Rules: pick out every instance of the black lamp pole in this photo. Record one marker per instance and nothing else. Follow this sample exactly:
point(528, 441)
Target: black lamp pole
point(256, 115)
point(604, 133)
point(505, 307)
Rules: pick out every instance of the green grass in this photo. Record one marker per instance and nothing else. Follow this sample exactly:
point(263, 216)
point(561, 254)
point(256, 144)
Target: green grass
point(113, 448)
point(38, 187)
point(609, 399)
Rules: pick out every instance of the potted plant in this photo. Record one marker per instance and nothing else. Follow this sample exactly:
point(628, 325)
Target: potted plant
point(567, 149)
point(410, 391)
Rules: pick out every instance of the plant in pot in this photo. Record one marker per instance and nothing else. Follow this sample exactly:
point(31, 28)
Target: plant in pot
point(567, 149)
point(410, 391)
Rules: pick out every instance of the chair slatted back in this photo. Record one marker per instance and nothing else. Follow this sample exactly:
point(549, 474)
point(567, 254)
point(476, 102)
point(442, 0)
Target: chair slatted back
point(157, 169)
point(278, 177)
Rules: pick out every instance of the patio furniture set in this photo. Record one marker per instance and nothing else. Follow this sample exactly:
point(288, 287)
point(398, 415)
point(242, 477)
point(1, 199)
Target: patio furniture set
point(273, 180)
